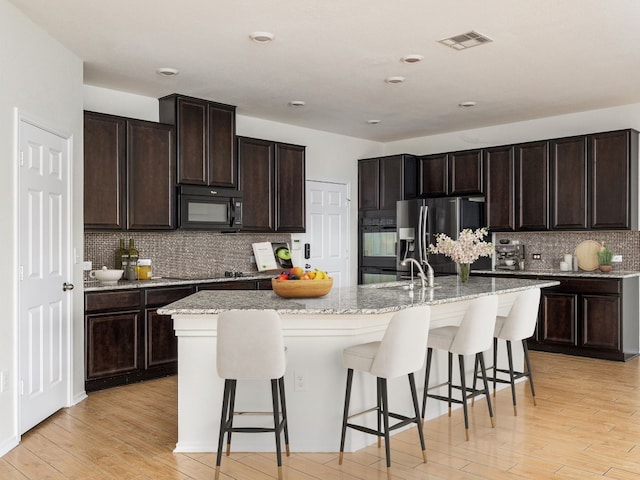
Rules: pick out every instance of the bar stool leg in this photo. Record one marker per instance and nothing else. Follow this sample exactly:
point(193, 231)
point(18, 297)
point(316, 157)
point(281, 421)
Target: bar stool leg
point(385, 420)
point(232, 406)
point(512, 379)
point(345, 415)
point(223, 424)
point(414, 397)
point(486, 388)
point(450, 385)
point(276, 422)
point(285, 420)
point(379, 410)
point(463, 390)
point(495, 363)
point(525, 348)
point(426, 381)
point(476, 364)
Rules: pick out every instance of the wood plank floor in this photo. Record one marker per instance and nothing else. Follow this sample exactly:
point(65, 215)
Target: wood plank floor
point(586, 426)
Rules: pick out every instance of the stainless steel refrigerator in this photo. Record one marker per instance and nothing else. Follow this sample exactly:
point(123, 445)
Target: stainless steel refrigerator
point(419, 220)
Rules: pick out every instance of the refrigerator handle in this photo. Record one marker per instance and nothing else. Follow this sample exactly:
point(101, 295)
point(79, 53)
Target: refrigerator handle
point(420, 239)
point(423, 234)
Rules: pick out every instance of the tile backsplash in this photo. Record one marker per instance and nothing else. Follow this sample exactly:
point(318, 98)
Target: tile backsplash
point(553, 245)
point(180, 253)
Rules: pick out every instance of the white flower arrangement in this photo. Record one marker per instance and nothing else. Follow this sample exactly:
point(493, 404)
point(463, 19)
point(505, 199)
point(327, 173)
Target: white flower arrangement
point(466, 249)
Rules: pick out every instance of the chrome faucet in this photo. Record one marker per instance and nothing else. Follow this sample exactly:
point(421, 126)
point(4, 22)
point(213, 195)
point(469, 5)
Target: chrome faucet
point(424, 279)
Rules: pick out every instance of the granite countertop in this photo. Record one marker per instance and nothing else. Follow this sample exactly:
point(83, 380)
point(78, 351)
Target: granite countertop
point(558, 273)
point(96, 286)
point(363, 299)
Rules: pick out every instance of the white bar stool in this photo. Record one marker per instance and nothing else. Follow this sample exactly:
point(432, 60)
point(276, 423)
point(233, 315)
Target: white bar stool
point(401, 352)
point(518, 325)
point(249, 347)
point(472, 337)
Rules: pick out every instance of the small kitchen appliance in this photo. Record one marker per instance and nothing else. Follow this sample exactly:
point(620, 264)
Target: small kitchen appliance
point(509, 255)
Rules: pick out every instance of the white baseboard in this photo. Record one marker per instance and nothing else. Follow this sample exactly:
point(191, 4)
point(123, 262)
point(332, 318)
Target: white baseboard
point(9, 445)
point(78, 398)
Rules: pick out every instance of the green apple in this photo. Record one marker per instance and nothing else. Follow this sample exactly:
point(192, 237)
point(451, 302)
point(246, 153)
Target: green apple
point(284, 253)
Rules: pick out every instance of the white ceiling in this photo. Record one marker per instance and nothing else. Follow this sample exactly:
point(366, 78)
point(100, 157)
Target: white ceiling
point(548, 57)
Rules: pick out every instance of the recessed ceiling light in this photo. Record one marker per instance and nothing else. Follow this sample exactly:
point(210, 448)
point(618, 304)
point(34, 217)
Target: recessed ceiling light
point(262, 37)
point(394, 79)
point(467, 104)
point(296, 103)
point(412, 58)
point(373, 122)
point(167, 71)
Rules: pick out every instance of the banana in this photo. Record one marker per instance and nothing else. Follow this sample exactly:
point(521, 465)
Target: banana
point(320, 275)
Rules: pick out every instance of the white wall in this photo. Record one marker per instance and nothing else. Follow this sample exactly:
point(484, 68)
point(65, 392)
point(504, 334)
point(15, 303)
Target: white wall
point(329, 157)
point(44, 81)
point(603, 120)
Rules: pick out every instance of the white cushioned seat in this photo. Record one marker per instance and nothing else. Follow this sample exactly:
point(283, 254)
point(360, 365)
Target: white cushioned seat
point(400, 352)
point(250, 347)
point(518, 325)
point(473, 336)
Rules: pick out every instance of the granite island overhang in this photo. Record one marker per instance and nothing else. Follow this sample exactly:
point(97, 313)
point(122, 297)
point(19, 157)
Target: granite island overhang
point(316, 330)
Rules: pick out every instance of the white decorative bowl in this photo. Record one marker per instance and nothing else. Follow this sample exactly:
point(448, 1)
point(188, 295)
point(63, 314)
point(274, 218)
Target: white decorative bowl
point(106, 276)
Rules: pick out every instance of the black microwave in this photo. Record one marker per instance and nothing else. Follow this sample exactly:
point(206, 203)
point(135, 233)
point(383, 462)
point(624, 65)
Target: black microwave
point(209, 208)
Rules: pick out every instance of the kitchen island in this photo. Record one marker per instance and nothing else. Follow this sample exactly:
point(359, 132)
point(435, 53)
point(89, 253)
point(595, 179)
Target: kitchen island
point(316, 331)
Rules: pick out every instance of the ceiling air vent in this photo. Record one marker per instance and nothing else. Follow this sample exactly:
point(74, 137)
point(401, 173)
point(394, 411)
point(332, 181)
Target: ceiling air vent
point(465, 40)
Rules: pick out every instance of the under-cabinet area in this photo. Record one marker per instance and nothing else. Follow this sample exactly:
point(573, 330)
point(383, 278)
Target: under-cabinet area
point(127, 341)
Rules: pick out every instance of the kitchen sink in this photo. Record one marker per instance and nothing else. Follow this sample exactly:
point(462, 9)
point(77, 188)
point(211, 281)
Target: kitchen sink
point(402, 286)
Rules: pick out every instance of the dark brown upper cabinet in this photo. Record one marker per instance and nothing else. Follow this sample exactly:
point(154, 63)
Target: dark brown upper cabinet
point(129, 179)
point(151, 180)
point(272, 179)
point(465, 173)
point(454, 174)
point(383, 181)
point(105, 150)
point(433, 175)
point(613, 176)
point(499, 177)
point(205, 140)
point(532, 187)
point(569, 199)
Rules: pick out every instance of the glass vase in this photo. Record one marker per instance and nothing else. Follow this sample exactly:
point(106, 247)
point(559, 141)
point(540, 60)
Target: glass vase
point(463, 271)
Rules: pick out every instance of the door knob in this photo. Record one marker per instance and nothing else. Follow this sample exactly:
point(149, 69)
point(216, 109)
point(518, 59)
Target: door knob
point(67, 286)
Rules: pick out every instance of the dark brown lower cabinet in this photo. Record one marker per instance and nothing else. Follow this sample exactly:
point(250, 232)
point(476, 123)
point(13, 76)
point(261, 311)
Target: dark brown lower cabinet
point(127, 341)
point(589, 317)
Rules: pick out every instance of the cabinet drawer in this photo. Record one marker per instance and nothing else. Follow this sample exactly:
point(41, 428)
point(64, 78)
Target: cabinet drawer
point(586, 286)
point(158, 297)
point(117, 300)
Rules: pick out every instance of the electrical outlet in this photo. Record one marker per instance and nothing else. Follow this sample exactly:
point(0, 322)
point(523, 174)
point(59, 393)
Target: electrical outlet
point(617, 259)
point(87, 265)
point(299, 382)
point(536, 256)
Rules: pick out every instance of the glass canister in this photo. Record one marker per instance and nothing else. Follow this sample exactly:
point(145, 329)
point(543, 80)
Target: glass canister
point(144, 269)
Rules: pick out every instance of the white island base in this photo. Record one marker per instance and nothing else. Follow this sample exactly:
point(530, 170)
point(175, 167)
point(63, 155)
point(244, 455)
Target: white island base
point(314, 381)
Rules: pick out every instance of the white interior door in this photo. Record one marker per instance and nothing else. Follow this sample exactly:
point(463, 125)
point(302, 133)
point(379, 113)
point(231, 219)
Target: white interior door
point(327, 231)
point(44, 267)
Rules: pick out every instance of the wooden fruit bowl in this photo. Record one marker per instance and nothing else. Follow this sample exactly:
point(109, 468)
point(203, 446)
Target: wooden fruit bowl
point(301, 288)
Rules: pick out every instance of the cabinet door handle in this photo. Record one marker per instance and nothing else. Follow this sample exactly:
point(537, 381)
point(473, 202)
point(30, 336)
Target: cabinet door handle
point(67, 286)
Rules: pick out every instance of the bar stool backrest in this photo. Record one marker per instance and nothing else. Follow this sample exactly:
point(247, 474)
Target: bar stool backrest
point(475, 333)
point(404, 345)
point(250, 345)
point(521, 321)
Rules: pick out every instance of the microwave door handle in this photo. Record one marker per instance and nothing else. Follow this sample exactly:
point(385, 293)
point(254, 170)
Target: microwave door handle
point(232, 213)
